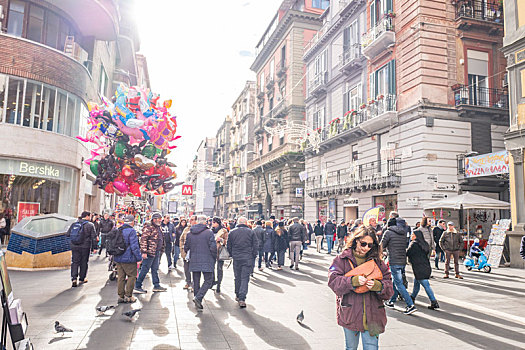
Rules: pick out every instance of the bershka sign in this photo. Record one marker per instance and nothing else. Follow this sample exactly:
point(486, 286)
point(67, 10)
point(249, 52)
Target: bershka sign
point(39, 170)
point(187, 190)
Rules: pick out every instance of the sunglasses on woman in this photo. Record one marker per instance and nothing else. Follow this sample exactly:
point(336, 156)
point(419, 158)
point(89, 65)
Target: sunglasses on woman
point(364, 244)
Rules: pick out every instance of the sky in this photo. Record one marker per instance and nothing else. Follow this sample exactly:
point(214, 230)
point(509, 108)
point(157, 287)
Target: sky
point(199, 55)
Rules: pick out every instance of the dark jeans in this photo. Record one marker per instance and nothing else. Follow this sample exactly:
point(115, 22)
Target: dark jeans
point(241, 272)
point(265, 256)
point(151, 262)
point(399, 288)
point(440, 256)
point(198, 290)
point(79, 261)
point(176, 254)
point(167, 251)
point(220, 272)
point(102, 243)
point(280, 257)
point(187, 273)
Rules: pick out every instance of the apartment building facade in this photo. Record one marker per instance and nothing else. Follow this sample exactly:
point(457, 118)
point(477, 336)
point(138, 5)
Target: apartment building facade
point(241, 152)
point(394, 124)
point(54, 59)
point(514, 50)
point(202, 177)
point(221, 164)
point(280, 92)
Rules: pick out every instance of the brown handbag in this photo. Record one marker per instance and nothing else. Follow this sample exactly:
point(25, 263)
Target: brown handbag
point(369, 270)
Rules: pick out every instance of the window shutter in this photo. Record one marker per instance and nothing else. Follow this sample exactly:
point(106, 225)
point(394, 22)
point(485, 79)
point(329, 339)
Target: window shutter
point(373, 77)
point(392, 77)
point(345, 102)
point(346, 38)
point(389, 6)
point(373, 18)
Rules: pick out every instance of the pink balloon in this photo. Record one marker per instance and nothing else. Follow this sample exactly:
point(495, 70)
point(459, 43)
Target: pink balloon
point(133, 132)
point(121, 187)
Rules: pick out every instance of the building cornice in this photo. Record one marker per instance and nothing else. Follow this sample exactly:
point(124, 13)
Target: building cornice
point(277, 36)
point(344, 15)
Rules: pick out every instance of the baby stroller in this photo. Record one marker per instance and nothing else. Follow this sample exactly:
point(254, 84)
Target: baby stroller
point(112, 267)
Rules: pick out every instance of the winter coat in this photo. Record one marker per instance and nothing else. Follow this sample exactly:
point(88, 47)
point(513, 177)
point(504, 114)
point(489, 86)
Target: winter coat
point(151, 240)
point(522, 249)
point(329, 229)
point(395, 242)
point(451, 241)
point(178, 232)
point(296, 233)
point(427, 234)
point(268, 240)
point(350, 304)
point(182, 241)
point(106, 226)
point(318, 230)
point(88, 234)
point(342, 231)
point(243, 245)
point(419, 260)
point(132, 253)
point(437, 233)
point(201, 244)
point(167, 230)
point(280, 241)
point(259, 232)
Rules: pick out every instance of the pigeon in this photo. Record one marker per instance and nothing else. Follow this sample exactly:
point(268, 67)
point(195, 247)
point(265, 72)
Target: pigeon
point(61, 329)
point(104, 308)
point(131, 313)
point(300, 317)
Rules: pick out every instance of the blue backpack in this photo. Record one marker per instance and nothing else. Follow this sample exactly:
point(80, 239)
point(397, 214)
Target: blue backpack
point(75, 233)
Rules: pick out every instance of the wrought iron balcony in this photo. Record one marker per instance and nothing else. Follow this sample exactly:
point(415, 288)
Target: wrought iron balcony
point(356, 178)
point(218, 191)
point(280, 69)
point(479, 13)
point(318, 84)
point(481, 97)
point(379, 38)
point(351, 58)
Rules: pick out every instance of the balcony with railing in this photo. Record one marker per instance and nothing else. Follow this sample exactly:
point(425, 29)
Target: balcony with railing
point(479, 14)
point(351, 58)
point(476, 100)
point(356, 178)
point(380, 37)
point(280, 69)
point(318, 84)
point(279, 152)
point(315, 39)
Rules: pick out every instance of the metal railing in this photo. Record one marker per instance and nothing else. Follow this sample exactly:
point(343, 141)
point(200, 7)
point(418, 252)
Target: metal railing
point(482, 10)
point(319, 80)
point(317, 37)
point(481, 96)
point(384, 172)
point(384, 25)
point(351, 53)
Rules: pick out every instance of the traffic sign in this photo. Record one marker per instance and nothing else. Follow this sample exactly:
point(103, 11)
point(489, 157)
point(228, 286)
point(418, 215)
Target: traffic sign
point(187, 190)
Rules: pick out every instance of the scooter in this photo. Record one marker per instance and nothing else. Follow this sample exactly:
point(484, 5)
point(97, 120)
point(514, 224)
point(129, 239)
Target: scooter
point(482, 264)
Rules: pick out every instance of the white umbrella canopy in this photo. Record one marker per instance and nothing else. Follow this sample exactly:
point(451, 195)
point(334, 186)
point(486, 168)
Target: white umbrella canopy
point(468, 200)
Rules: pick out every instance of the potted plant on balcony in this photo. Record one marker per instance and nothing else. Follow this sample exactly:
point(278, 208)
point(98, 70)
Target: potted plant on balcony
point(390, 14)
point(348, 119)
point(371, 102)
point(333, 126)
point(363, 106)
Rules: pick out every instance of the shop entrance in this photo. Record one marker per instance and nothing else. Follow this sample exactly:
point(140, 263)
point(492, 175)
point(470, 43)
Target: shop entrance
point(15, 188)
point(351, 213)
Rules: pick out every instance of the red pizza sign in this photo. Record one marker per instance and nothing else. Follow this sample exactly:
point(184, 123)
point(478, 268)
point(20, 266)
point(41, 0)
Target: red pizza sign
point(187, 190)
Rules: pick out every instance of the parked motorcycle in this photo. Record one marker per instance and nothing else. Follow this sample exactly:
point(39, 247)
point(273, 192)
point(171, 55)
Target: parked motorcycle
point(482, 263)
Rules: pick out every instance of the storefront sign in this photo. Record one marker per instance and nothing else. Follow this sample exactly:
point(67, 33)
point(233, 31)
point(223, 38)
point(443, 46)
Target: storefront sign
point(27, 209)
point(299, 192)
point(487, 164)
point(351, 202)
point(35, 169)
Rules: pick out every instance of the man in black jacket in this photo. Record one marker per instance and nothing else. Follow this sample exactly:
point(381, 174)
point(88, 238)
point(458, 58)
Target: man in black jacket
point(106, 225)
point(437, 233)
point(342, 231)
point(80, 250)
point(243, 247)
point(395, 242)
point(329, 230)
point(297, 236)
point(259, 232)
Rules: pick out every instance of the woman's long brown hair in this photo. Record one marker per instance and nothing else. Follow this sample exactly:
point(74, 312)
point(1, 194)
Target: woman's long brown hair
point(376, 252)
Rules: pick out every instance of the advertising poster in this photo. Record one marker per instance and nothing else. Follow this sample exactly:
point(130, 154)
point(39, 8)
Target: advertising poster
point(332, 209)
point(27, 209)
point(376, 212)
point(487, 164)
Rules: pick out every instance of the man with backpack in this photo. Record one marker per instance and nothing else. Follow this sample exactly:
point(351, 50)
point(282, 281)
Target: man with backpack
point(81, 234)
point(126, 261)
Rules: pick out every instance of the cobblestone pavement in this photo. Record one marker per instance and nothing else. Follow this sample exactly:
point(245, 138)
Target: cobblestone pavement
point(483, 311)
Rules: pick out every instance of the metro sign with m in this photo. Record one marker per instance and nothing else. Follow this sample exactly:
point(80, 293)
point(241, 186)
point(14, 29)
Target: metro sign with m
point(187, 190)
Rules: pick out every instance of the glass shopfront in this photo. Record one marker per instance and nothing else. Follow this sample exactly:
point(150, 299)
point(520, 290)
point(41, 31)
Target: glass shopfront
point(36, 105)
point(53, 187)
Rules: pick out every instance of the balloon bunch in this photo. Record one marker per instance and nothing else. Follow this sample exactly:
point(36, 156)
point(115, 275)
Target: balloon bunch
point(132, 133)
